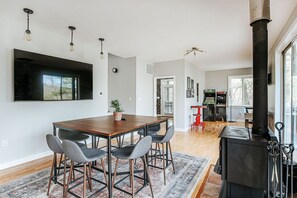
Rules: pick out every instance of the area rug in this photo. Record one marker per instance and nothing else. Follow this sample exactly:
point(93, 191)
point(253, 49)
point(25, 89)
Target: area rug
point(181, 184)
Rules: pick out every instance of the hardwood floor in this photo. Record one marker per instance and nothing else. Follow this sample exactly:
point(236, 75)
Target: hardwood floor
point(195, 142)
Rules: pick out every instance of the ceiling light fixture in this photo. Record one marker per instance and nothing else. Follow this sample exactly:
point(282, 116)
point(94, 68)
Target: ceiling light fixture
point(195, 50)
point(28, 33)
point(101, 53)
point(71, 28)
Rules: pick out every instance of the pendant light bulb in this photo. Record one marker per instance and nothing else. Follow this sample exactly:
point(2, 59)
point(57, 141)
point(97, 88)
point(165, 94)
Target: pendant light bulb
point(71, 47)
point(102, 55)
point(28, 33)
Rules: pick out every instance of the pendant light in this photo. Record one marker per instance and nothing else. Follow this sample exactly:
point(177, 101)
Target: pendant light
point(101, 53)
point(28, 33)
point(71, 28)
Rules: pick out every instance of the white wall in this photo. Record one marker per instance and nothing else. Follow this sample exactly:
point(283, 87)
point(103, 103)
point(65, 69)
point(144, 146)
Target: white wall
point(218, 80)
point(122, 85)
point(131, 85)
point(25, 124)
point(144, 89)
point(199, 77)
point(175, 68)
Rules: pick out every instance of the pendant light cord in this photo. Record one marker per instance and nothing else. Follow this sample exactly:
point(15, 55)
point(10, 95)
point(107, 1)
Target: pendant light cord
point(28, 21)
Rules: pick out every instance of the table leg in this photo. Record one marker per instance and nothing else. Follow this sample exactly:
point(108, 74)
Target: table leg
point(167, 163)
point(55, 157)
point(93, 141)
point(109, 167)
point(132, 138)
point(146, 157)
point(94, 146)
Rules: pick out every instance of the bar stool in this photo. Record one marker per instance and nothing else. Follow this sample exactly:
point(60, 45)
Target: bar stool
point(132, 153)
point(85, 156)
point(161, 139)
point(72, 136)
point(152, 130)
point(55, 145)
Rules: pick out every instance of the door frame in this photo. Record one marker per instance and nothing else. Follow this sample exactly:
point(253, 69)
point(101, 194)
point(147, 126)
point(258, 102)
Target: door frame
point(174, 95)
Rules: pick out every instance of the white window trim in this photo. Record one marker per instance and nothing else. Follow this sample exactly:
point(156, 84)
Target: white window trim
point(229, 89)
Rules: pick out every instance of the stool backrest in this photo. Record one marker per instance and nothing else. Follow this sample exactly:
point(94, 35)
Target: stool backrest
point(141, 148)
point(155, 127)
point(73, 152)
point(54, 143)
point(169, 134)
point(66, 134)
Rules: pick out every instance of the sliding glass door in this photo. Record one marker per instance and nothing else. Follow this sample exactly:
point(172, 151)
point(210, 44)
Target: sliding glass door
point(290, 93)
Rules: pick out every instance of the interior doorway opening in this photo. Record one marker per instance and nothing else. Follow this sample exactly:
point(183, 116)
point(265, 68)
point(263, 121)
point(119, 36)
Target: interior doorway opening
point(164, 97)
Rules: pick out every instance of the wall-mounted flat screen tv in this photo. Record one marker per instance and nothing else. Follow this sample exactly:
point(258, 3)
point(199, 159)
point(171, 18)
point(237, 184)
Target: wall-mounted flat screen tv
point(40, 77)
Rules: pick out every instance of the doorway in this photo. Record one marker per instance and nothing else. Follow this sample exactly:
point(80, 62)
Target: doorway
point(164, 96)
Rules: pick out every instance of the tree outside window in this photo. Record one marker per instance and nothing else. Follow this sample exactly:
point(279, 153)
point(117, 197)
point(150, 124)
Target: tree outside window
point(59, 88)
point(240, 90)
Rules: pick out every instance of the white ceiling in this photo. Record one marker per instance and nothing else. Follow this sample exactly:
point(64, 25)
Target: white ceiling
point(158, 30)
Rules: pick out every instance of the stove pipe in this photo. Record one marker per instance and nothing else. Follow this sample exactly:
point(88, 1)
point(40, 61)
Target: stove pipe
point(260, 17)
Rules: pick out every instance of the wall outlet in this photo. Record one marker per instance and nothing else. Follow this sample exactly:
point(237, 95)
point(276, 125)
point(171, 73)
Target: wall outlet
point(4, 143)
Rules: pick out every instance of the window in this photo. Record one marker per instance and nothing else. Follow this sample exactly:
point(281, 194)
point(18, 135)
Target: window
point(290, 91)
point(240, 90)
point(59, 88)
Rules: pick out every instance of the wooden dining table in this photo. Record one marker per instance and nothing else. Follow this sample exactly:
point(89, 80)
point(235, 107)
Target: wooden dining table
point(105, 127)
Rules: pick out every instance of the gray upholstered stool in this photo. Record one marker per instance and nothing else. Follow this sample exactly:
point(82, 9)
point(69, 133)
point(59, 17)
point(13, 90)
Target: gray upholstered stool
point(161, 139)
point(132, 153)
point(55, 145)
point(152, 130)
point(85, 156)
point(72, 136)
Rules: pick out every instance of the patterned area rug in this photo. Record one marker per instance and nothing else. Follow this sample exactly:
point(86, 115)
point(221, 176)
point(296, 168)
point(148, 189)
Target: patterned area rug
point(181, 184)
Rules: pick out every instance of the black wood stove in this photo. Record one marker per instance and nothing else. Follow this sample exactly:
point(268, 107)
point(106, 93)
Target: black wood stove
point(243, 163)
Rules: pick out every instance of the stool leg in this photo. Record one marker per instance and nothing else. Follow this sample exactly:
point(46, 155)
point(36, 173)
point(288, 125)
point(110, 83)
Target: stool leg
point(69, 178)
point(104, 171)
point(73, 173)
point(163, 159)
point(115, 172)
point(151, 154)
point(97, 146)
point(132, 176)
point(84, 182)
point(64, 178)
point(171, 157)
point(60, 162)
point(90, 176)
point(155, 154)
point(118, 140)
point(51, 175)
point(123, 140)
point(148, 175)
point(86, 143)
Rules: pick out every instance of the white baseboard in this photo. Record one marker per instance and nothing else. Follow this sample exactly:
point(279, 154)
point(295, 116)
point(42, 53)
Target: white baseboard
point(24, 160)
